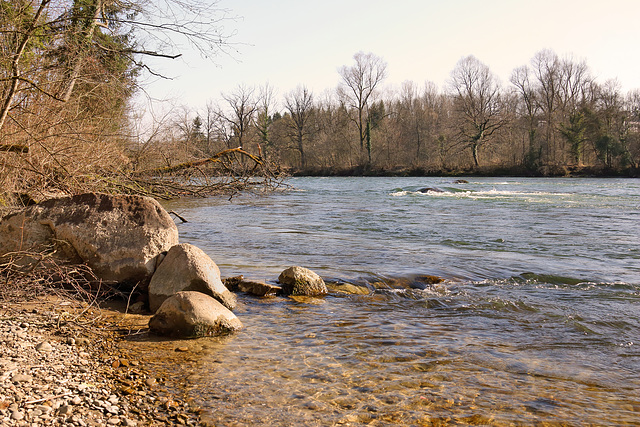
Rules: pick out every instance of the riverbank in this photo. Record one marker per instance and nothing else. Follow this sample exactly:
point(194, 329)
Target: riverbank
point(63, 362)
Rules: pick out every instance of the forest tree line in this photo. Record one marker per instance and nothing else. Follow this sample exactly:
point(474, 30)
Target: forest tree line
point(70, 73)
point(551, 118)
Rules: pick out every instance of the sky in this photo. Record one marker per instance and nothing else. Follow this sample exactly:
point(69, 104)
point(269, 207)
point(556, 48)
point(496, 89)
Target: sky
point(288, 43)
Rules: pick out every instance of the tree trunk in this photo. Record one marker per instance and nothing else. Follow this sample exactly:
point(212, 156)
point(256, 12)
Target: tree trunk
point(474, 148)
point(15, 63)
point(87, 37)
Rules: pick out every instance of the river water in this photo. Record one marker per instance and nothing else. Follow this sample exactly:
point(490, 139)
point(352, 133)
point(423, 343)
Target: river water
point(536, 321)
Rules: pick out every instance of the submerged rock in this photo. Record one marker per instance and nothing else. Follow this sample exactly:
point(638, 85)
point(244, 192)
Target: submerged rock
point(348, 288)
point(301, 281)
point(188, 268)
point(119, 237)
point(193, 314)
point(430, 190)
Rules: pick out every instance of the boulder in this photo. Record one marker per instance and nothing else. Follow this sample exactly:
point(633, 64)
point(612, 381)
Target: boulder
point(119, 237)
point(301, 281)
point(192, 314)
point(188, 268)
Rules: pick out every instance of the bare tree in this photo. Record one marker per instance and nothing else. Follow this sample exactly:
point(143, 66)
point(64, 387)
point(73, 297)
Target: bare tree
point(266, 105)
point(359, 83)
point(299, 104)
point(546, 69)
point(529, 106)
point(477, 103)
point(240, 114)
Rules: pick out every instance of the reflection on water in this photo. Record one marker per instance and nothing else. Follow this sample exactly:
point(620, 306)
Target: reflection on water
point(536, 321)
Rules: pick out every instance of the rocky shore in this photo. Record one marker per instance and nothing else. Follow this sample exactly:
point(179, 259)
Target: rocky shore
point(62, 361)
point(61, 364)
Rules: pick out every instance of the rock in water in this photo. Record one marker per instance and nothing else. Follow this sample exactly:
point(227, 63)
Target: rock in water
point(301, 281)
point(119, 237)
point(193, 314)
point(430, 190)
point(188, 268)
point(258, 288)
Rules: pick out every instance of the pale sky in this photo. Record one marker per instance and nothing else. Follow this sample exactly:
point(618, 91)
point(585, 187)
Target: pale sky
point(293, 42)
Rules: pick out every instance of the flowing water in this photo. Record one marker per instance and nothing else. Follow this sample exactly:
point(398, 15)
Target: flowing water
point(537, 320)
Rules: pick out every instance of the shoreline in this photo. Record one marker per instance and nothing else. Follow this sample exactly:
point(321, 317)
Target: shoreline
point(66, 361)
point(486, 171)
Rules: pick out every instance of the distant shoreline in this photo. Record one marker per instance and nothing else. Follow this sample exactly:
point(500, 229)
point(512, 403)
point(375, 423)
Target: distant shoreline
point(490, 171)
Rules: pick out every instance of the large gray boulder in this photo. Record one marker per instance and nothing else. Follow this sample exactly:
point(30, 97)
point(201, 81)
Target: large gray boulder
point(301, 281)
point(188, 268)
point(119, 237)
point(193, 314)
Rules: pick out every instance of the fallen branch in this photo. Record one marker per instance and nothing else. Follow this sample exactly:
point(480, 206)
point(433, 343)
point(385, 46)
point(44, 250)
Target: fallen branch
point(14, 148)
point(196, 163)
point(177, 216)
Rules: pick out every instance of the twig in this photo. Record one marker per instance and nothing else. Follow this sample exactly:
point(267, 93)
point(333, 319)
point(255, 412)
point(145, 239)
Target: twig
point(44, 399)
point(178, 216)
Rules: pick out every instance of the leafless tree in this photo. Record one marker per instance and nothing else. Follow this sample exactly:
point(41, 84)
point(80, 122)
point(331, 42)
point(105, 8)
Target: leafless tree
point(359, 83)
point(299, 104)
point(477, 103)
point(529, 110)
point(239, 114)
point(264, 119)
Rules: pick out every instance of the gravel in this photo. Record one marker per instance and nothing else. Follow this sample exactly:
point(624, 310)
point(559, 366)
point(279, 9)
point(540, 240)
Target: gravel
point(56, 371)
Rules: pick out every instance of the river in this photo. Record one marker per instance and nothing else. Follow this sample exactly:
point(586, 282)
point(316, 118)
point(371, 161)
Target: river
point(537, 319)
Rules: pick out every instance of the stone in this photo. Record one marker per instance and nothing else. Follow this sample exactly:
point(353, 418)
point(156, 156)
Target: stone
point(193, 314)
point(137, 307)
point(44, 347)
point(119, 237)
point(348, 288)
point(64, 410)
point(188, 268)
point(257, 288)
point(20, 378)
point(430, 190)
point(301, 281)
point(232, 282)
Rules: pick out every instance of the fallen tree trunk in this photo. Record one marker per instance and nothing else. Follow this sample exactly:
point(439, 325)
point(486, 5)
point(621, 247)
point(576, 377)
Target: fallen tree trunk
point(200, 162)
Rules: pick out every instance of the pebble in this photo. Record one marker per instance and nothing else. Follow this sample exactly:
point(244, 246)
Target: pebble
point(44, 347)
point(19, 378)
point(64, 410)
